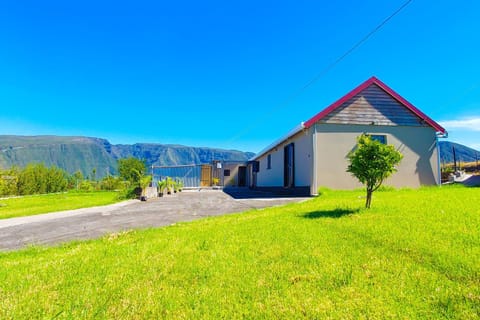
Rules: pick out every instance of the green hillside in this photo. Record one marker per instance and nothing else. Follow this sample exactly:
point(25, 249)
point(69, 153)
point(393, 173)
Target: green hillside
point(159, 154)
point(86, 154)
point(463, 153)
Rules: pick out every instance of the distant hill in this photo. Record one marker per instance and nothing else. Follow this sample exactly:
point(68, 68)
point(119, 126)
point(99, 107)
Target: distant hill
point(86, 154)
point(464, 154)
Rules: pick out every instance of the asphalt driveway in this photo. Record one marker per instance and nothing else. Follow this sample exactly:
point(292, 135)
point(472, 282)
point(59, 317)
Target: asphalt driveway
point(54, 228)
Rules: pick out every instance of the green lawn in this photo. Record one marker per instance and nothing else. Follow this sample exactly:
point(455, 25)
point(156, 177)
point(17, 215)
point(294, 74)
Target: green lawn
point(414, 255)
point(36, 204)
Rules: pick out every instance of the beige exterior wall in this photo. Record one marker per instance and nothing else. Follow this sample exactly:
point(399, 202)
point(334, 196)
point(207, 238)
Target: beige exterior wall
point(232, 180)
point(273, 177)
point(418, 167)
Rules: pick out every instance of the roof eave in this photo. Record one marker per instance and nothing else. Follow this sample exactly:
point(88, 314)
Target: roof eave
point(290, 134)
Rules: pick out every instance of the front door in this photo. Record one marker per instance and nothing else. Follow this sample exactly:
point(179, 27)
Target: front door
point(289, 166)
point(242, 176)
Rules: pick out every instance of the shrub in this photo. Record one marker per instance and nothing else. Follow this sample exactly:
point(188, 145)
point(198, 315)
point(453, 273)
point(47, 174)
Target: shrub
point(372, 162)
point(86, 186)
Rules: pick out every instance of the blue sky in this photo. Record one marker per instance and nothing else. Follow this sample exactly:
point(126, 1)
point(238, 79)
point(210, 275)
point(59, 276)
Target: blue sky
point(223, 73)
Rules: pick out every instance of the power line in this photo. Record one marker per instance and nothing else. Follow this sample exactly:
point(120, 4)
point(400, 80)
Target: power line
point(322, 72)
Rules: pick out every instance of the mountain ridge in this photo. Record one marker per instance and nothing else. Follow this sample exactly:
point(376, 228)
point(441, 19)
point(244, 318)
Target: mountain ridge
point(73, 153)
point(463, 153)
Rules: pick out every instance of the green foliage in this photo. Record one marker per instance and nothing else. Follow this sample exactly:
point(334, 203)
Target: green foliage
point(169, 185)
point(111, 183)
point(415, 255)
point(371, 163)
point(179, 185)
point(128, 193)
point(144, 183)
point(38, 179)
point(8, 181)
point(86, 186)
point(56, 180)
point(162, 186)
point(132, 170)
point(78, 175)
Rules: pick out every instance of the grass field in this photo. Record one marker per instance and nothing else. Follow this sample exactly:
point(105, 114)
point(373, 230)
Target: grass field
point(414, 255)
point(36, 204)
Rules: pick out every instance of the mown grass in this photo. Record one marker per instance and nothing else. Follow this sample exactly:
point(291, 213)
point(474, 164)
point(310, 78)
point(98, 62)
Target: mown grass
point(37, 204)
point(415, 254)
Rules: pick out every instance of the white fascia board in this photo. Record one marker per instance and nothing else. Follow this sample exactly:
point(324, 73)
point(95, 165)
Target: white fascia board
point(291, 133)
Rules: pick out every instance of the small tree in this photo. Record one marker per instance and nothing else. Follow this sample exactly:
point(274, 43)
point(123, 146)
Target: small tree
point(372, 162)
point(132, 170)
point(78, 176)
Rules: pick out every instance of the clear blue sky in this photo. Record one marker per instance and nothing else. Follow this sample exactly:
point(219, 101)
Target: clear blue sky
point(217, 73)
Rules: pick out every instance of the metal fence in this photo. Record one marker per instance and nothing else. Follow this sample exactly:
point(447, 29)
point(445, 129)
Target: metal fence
point(189, 175)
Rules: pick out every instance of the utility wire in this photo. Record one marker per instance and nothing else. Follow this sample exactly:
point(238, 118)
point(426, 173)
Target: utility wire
point(319, 75)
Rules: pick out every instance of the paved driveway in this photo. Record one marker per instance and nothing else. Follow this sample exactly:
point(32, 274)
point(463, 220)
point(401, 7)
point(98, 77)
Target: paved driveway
point(91, 223)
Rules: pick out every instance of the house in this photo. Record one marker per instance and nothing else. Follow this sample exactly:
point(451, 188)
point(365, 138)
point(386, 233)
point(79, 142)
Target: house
point(314, 154)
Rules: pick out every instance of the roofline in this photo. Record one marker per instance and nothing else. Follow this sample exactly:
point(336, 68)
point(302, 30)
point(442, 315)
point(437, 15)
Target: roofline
point(387, 89)
point(290, 134)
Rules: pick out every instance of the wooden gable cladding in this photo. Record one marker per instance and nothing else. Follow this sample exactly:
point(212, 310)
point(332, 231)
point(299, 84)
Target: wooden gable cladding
point(373, 106)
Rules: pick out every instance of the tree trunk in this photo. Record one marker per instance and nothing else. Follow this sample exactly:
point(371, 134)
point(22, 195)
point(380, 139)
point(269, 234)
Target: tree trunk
point(369, 199)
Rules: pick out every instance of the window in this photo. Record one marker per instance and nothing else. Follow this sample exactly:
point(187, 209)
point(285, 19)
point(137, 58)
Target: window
point(226, 173)
point(380, 138)
point(269, 161)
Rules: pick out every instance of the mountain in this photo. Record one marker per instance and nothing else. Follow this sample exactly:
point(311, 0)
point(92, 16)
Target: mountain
point(86, 154)
point(463, 153)
point(169, 155)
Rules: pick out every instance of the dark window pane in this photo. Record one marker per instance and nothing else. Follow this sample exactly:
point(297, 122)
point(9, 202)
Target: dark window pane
point(380, 138)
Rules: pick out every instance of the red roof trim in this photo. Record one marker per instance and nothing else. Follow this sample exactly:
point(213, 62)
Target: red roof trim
point(387, 89)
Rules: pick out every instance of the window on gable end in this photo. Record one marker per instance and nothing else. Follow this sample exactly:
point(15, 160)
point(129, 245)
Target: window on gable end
point(379, 137)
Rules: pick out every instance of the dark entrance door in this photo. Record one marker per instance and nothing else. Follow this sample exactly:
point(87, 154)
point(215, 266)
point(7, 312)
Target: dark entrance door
point(242, 176)
point(289, 166)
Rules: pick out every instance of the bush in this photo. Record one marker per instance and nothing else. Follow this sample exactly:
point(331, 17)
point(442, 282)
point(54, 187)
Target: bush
point(8, 182)
point(86, 186)
point(111, 183)
point(129, 193)
point(38, 179)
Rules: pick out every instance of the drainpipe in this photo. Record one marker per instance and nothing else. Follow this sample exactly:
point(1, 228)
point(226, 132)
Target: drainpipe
point(439, 182)
point(437, 136)
point(314, 160)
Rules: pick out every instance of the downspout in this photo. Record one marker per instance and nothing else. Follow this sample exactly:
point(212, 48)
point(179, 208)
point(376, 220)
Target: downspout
point(437, 136)
point(314, 159)
point(439, 182)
